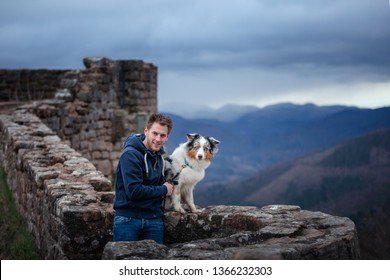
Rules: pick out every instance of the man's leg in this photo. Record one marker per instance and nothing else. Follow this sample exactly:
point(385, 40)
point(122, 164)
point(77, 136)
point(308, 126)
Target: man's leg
point(153, 229)
point(126, 229)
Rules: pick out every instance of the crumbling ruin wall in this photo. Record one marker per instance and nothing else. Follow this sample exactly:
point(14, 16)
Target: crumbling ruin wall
point(94, 109)
point(63, 200)
point(29, 84)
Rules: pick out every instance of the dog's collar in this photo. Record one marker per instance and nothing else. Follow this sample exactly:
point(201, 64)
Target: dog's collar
point(186, 163)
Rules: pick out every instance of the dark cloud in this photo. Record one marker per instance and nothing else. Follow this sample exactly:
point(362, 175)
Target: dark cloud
point(208, 44)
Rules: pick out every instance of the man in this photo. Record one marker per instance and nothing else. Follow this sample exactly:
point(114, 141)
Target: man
point(139, 184)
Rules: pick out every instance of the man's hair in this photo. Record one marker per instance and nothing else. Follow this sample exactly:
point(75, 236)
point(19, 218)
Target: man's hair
point(163, 120)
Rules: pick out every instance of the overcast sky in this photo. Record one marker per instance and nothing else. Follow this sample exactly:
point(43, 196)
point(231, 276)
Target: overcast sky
point(216, 52)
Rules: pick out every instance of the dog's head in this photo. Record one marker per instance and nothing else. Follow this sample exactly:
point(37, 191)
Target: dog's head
point(201, 148)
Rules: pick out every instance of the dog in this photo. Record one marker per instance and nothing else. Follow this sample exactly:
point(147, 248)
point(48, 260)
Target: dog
point(186, 166)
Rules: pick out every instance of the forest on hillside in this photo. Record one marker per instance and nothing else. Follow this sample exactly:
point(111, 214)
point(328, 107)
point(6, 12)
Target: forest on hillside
point(350, 179)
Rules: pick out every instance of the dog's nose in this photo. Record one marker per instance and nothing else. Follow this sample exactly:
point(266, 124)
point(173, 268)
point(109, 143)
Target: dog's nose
point(200, 157)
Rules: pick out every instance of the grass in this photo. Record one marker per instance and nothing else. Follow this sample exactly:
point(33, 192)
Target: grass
point(16, 242)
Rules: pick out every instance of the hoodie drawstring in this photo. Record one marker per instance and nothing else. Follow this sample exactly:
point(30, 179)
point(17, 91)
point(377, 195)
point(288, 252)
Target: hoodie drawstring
point(163, 165)
point(146, 165)
point(147, 168)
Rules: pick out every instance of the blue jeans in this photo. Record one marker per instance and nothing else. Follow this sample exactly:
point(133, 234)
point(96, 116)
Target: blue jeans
point(131, 229)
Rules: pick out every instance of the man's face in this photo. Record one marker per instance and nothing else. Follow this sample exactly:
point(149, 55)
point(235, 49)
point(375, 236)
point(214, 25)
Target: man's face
point(156, 137)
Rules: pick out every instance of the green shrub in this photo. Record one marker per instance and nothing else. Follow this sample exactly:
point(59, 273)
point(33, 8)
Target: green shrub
point(16, 242)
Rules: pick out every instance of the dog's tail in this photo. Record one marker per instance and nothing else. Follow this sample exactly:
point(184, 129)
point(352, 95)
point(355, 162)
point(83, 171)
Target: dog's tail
point(169, 176)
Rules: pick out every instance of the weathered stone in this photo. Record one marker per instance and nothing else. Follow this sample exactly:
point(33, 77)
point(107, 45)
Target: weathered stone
point(140, 250)
point(238, 232)
point(99, 184)
point(64, 94)
point(100, 62)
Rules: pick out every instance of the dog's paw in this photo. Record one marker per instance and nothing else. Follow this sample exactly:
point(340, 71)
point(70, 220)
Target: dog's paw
point(180, 210)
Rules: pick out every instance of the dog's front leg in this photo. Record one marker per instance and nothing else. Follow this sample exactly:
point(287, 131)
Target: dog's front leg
point(176, 197)
point(188, 197)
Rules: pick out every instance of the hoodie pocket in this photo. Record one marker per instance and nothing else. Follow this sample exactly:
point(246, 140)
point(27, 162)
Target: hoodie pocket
point(120, 220)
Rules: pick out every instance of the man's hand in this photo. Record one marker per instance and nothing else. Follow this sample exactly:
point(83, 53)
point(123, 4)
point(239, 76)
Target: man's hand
point(169, 188)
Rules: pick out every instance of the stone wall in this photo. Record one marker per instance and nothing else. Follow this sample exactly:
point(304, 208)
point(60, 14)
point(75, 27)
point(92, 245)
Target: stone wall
point(244, 232)
point(94, 109)
point(63, 200)
point(28, 84)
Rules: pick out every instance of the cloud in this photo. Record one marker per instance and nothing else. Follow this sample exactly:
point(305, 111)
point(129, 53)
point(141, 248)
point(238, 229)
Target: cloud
point(261, 87)
point(255, 49)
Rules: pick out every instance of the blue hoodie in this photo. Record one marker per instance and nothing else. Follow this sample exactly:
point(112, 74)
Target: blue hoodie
point(139, 181)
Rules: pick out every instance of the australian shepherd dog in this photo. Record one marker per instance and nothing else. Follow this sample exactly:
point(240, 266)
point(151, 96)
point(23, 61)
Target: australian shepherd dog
point(186, 167)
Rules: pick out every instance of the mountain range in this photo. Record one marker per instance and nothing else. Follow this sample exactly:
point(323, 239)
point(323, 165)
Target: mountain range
point(266, 136)
point(225, 113)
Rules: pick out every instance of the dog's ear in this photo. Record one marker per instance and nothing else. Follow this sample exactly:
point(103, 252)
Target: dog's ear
point(213, 142)
point(192, 136)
